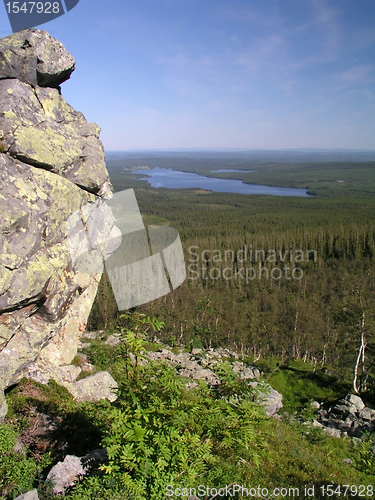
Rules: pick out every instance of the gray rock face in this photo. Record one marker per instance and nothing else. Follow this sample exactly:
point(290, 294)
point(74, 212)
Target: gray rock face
point(96, 387)
point(112, 341)
point(3, 406)
point(333, 432)
point(42, 130)
point(33, 56)
point(30, 495)
point(269, 398)
point(52, 180)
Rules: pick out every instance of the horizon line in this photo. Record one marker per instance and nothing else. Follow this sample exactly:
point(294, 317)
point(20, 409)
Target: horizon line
point(310, 149)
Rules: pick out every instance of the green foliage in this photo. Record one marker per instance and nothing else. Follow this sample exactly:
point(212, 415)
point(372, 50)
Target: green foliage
point(159, 433)
point(364, 457)
point(80, 424)
point(163, 434)
point(134, 338)
point(99, 353)
point(230, 384)
point(299, 455)
point(99, 487)
point(17, 472)
point(7, 439)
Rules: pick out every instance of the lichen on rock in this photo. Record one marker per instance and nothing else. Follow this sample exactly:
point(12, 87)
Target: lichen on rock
point(42, 130)
point(52, 171)
point(34, 57)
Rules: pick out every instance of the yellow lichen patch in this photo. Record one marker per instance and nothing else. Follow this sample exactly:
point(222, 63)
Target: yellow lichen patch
point(10, 91)
point(54, 150)
point(41, 194)
point(50, 104)
point(40, 269)
point(7, 55)
point(4, 329)
point(24, 190)
point(5, 280)
point(10, 216)
point(60, 257)
point(9, 114)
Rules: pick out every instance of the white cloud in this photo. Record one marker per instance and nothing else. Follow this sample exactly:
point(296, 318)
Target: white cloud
point(357, 73)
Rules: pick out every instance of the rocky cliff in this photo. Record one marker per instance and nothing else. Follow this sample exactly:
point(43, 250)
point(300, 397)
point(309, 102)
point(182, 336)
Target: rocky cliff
point(51, 167)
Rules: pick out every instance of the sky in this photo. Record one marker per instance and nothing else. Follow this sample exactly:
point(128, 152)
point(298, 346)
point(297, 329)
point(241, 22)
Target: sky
point(222, 74)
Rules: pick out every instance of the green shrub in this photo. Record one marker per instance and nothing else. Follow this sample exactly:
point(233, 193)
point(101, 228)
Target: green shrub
point(161, 434)
point(17, 472)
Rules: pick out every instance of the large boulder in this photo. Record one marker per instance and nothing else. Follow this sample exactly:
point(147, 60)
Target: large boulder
point(30, 495)
point(355, 401)
point(65, 474)
point(52, 184)
point(41, 129)
point(42, 296)
point(96, 387)
point(33, 56)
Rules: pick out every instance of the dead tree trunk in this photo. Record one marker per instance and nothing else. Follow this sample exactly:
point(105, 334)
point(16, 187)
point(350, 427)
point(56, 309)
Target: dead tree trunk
point(361, 356)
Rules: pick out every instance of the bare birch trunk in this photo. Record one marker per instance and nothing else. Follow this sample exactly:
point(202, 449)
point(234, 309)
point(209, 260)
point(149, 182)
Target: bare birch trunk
point(361, 356)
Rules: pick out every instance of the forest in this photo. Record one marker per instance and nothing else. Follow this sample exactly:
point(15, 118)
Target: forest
point(291, 278)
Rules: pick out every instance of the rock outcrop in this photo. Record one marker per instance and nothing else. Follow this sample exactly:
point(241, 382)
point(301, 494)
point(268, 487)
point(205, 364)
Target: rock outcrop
point(51, 170)
point(349, 417)
point(35, 58)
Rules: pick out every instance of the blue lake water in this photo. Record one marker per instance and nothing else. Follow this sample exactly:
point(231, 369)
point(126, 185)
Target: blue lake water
point(173, 179)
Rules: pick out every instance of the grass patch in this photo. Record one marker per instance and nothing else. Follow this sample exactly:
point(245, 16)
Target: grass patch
point(300, 382)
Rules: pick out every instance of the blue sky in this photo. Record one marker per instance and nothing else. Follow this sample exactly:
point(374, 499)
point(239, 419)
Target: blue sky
point(269, 74)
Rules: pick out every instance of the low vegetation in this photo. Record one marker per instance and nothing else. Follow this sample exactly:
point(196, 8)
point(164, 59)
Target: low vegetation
point(158, 433)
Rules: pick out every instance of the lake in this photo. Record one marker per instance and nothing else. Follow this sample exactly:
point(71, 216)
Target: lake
point(173, 179)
